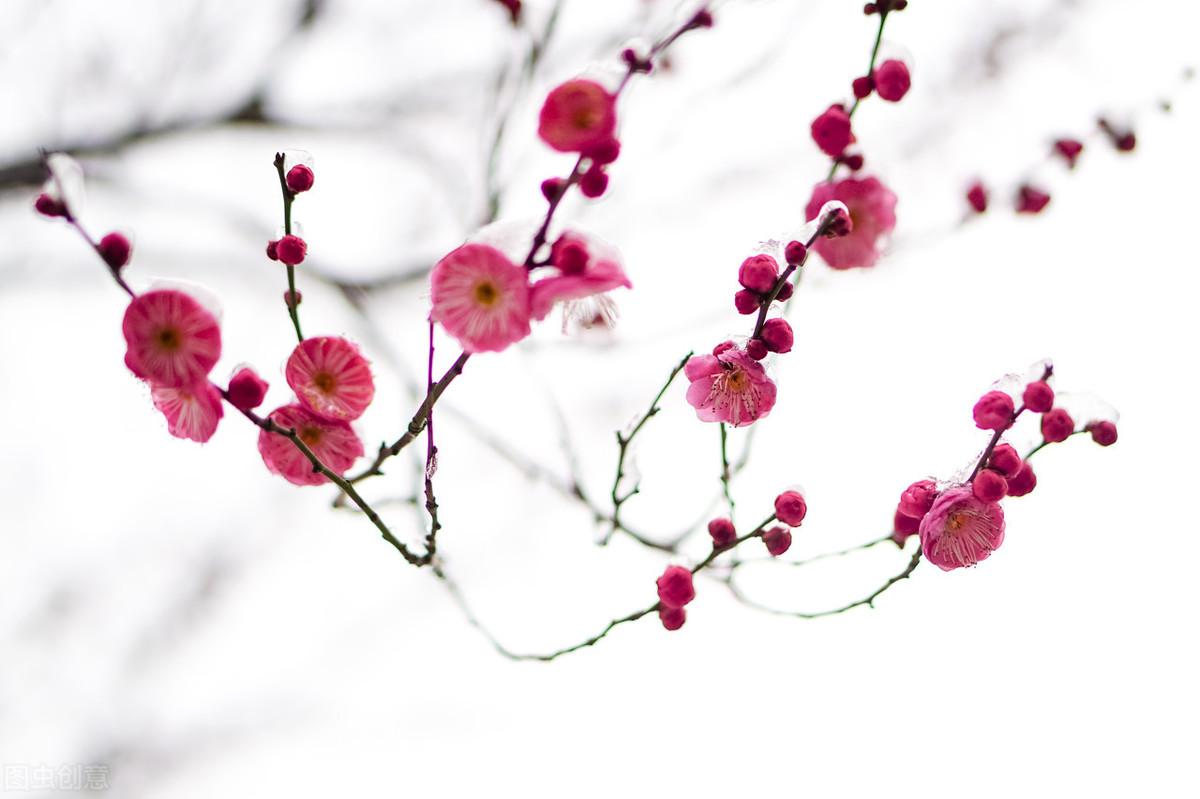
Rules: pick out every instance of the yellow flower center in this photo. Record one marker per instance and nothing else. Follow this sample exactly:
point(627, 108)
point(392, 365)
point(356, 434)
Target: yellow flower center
point(169, 339)
point(486, 293)
point(324, 382)
point(310, 435)
point(737, 380)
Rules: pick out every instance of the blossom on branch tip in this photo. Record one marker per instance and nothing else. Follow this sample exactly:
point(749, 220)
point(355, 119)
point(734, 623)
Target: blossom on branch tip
point(993, 411)
point(49, 206)
point(192, 411)
point(334, 443)
point(675, 588)
point(960, 529)
point(577, 115)
point(872, 212)
point(1103, 433)
point(171, 339)
point(1057, 425)
point(729, 387)
point(1038, 396)
point(330, 377)
point(299, 179)
point(480, 297)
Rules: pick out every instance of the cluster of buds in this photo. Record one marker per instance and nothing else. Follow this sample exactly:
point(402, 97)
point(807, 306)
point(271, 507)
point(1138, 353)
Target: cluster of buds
point(675, 586)
point(1033, 199)
point(961, 524)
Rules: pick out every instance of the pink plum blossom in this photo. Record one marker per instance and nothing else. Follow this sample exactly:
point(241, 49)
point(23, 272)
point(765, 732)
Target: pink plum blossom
point(481, 298)
point(171, 339)
point(675, 588)
point(192, 411)
point(960, 529)
point(331, 377)
point(872, 208)
point(729, 386)
point(333, 442)
point(577, 115)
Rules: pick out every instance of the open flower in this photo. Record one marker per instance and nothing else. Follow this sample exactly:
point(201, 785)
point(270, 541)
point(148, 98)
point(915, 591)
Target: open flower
point(192, 411)
point(585, 268)
point(171, 339)
point(330, 376)
point(960, 529)
point(577, 115)
point(333, 442)
point(481, 298)
point(872, 208)
point(729, 386)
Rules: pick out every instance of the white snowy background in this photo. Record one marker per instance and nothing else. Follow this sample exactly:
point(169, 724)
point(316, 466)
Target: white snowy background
point(202, 628)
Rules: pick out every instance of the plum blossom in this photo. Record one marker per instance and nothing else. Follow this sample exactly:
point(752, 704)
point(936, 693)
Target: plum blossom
point(331, 377)
point(481, 298)
point(960, 529)
point(872, 209)
point(333, 442)
point(729, 386)
point(192, 411)
point(577, 115)
point(171, 339)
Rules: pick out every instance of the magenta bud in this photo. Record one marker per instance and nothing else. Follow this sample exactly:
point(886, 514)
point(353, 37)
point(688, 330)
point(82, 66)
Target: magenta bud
point(552, 187)
point(1038, 396)
point(989, 486)
point(778, 540)
point(747, 302)
point(994, 411)
point(594, 182)
point(723, 532)
point(605, 152)
point(299, 178)
point(1005, 460)
point(1103, 433)
point(917, 499)
point(892, 80)
point(777, 335)
point(862, 86)
point(246, 390)
point(672, 618)
point(790, 508)
point(756, 349)
point(115, 250)
point(1031, 200)
point(785, 292)
point(290, 249)
point(675, 587)
point(48, 206)
point(758, 273)
point(1022, 482)
point(795, 253)
point(1057, 425)
point(273, 250)
point(977, 197)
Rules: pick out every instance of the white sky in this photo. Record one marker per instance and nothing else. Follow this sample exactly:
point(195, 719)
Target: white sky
point(205, 628)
